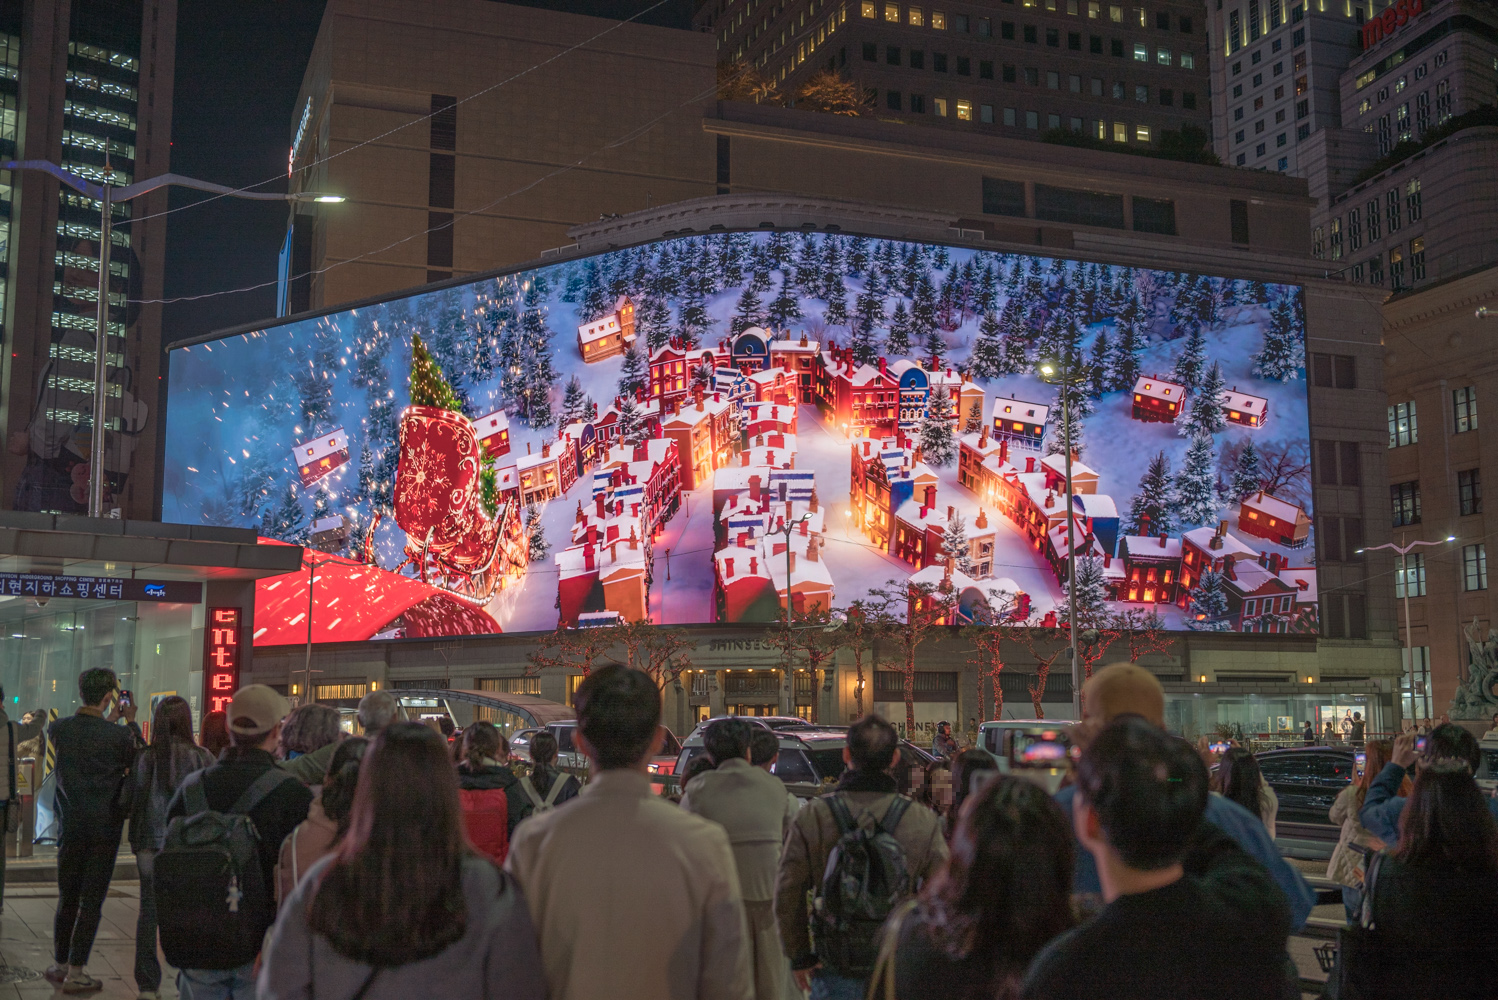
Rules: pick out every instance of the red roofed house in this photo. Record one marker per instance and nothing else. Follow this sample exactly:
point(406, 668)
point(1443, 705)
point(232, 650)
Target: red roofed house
point(1243, 408)
point(608, 335)
point(1278, 520)
point(862, 400)
point(1152, 568)
point(1157, 400)
point(493, 432)
point(671, 370)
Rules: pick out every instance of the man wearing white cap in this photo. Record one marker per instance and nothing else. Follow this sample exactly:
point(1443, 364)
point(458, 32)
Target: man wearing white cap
point(255, 716)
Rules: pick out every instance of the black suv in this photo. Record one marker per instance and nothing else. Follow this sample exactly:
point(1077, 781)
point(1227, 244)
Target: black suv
point(1307, 780)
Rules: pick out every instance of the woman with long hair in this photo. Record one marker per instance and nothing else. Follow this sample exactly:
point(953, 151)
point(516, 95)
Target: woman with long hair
point(487, 790)
point(404, 907)
point(540, 786)
point(159, 769)
point(1346, 865)
point(327, 818)
point(1005, 893)
point(1433, 899)
point(213, 735)
point(1238, 778)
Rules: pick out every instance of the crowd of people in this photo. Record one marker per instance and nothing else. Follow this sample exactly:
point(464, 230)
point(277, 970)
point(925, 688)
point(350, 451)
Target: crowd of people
point(295, 863)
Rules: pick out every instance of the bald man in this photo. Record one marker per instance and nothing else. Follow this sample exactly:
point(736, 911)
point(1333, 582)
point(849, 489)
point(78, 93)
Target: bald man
point(1129, 689)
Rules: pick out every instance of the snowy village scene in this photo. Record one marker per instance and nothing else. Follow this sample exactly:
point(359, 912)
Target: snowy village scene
point(700, 429)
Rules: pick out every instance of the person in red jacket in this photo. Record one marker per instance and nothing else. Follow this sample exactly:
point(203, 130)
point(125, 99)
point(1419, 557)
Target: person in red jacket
point(482, 785)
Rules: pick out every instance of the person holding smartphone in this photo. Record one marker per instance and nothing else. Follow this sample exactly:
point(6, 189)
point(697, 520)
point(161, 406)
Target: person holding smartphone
point(1346, 865)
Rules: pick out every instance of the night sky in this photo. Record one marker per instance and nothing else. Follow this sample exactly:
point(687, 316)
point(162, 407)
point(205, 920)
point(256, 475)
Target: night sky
point(239, 66)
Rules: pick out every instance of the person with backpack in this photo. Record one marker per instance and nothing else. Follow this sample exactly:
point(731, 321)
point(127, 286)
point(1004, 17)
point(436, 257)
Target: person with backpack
point(546, 787)
point(860, 851)
point(633, 898)
point(94, 758)
point(215, 874)
point(752, 807)
point(487, 790)
point(403, 907)
point(159, 771)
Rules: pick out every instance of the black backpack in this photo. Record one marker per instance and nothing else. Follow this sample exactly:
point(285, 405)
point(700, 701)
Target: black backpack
point(212, 901)
point(866, 878)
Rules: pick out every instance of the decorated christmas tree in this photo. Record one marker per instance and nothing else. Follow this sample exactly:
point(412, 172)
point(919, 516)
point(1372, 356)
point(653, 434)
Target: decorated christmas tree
point(955, 545)
point(974, 422)
point(632, 373)
point(938, 443)
point(1208, 599)
point(1196, 498)
point(1206, 415)
point(535, 531)
point(1283, 355)
point(428, 386)
point(1151, 510)
point(1247, 477)
point(1092, 593)
point(1193, 359)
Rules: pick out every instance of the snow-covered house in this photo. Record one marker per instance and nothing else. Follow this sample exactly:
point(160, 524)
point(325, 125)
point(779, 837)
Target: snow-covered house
point(742, 582)
point(980, 545)
point(1058, 542)
point(1244, 408)
point(540, 474)
point(1204, 549)
point(769, 418)
point(861, 400)
point(1020, 422)
point(798, 572)
point(1280, 521)
point(605, 574)
point(732, 384)
point(608, 335)
point(654, 467)
point(1152, 568)
point(1101, 514)
point(1305, 611)
point(321, 455)
point(773, 450)
point(972, 449)
point(672, 368)
point(1083, 477)
point(1254, 591)
point(493, 432)
point(691, 428)
point(884, 476)
point(750, 350)
point(915, 389)
point(507, 483)
point(962, 393)
point(1156, 399)
point(964, 599)
point(775, 385)
point(799, 357)
point(920, 531)
point(584, 441)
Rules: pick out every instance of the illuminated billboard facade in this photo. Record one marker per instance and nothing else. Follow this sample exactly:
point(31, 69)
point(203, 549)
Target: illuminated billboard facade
point(691, 429)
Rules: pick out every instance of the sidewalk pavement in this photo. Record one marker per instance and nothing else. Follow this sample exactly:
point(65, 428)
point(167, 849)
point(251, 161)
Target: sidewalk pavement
point(26, 940)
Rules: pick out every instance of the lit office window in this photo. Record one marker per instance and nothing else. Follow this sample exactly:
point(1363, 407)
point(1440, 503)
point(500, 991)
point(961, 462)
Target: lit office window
point(1475, 567)
point(1409, 579)
point(965, 110)
point(1403, 429)
point(1464, 403)
point(1141, 133)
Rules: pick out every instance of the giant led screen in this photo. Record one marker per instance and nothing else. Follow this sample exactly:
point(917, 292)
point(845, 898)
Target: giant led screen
point(687, 430)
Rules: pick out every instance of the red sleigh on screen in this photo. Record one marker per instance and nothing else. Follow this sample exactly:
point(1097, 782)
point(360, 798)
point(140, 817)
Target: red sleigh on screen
point(450, 540)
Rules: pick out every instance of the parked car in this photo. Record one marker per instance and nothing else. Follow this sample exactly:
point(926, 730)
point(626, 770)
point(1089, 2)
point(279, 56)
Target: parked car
point(1037, 750)
point(1307, 780)
point(811, 760)
point(568, 756)
point(778, 723)
point(1487, 770)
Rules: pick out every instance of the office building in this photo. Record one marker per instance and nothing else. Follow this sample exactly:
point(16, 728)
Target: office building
point(1440, 378)
point(1112, 71)
point(86, 84)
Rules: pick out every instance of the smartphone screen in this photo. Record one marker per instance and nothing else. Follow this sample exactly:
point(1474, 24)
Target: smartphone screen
point(1362, 763)
point(1420, 743)
point(1220, 747)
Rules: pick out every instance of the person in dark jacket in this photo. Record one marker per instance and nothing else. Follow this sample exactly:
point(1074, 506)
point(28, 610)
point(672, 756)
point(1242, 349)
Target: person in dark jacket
point(488, 791)
point(545, 773)
point(402, 908)
point(1169, 877)
point(1383, 806)
point(12, 736)
point(1004, 893)
point(255, 716)
point(94, 757)
point(158, 773)
point(1434, 899)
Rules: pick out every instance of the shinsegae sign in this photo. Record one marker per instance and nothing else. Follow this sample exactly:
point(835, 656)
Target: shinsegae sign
point(1391, 20)
point(99, 588)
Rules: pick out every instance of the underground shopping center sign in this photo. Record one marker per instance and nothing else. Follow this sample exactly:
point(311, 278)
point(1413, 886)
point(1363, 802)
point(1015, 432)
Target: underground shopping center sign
point(221, 658)
point(99, 588)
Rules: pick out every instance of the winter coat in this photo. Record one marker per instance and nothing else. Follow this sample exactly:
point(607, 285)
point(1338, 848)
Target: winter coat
point(812, 836)
point(158, 773)
point(305, 846)
point(483, 792)
point(633, 898)
point(497, 958)
point(1343, 868)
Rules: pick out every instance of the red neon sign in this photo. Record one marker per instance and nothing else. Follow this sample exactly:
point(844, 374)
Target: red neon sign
point(1391, 20)
point(221, 658)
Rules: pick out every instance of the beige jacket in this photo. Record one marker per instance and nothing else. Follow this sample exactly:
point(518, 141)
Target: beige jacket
point(631, 896)
point(811, 838)
point(752, 806)
point(1344, 867)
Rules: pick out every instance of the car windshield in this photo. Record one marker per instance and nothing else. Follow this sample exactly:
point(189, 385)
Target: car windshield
point(829, 763)
point(564, 738)
point(1042, 748)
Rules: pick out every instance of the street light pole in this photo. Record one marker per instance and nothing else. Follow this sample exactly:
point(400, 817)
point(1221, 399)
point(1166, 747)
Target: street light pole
point(107, 195)
point(786, 531)
point(1071, 542)
point(1409, 649)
